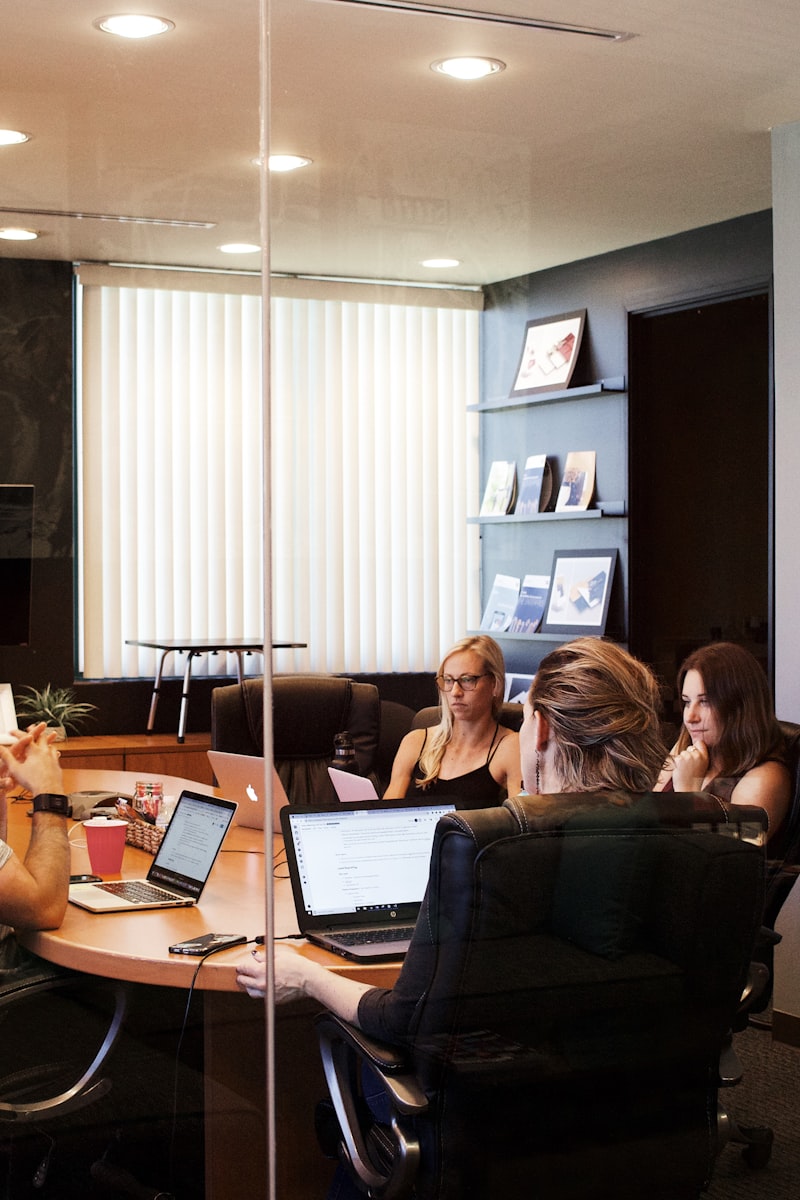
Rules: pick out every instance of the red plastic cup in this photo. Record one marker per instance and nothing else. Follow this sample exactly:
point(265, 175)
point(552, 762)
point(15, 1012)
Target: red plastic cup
point(105, 841)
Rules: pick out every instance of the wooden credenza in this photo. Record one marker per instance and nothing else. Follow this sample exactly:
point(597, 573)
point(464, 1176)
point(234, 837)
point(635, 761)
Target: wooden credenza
point(157, 753)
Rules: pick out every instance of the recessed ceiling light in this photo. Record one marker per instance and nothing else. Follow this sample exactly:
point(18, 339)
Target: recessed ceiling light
point(239, 248)
point(287, 162)
point(133, 25)
point(468, 68)
point(440, 263)
point(13, 137)
point(18, 235)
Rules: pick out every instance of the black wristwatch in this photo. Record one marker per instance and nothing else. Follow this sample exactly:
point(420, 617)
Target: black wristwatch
point(52, 802)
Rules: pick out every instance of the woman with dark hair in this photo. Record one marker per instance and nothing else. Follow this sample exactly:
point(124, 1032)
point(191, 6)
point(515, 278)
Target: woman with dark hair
point(730, 743)
point(469, 754)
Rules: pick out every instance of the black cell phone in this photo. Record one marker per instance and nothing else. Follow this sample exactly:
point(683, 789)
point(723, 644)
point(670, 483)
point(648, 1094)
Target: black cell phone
point(85, 879)
point(207, 941)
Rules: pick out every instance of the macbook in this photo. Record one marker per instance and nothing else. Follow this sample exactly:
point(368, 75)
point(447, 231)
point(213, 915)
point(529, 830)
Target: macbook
point(359, 872)
point(241, 778)
point(8, 714)
point(181, 867)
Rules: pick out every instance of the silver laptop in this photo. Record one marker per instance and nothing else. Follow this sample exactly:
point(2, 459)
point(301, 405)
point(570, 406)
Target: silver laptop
point(181, 867)
point(241, 778)
point(359, 872)
point(8, 714)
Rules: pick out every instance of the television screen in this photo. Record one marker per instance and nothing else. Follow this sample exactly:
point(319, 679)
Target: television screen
point(16, 549)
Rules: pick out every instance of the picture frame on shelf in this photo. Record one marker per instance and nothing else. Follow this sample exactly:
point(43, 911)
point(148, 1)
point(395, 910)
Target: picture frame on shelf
point(549, 352)
point(580, 592)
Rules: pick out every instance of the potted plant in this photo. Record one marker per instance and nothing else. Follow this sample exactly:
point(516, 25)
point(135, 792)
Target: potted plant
point(57, 707)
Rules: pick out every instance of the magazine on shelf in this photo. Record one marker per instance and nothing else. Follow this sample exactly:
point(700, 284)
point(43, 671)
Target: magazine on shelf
point(501, 488)
point(530, 605)
point(536, 488)
point(577, 482)
point(501, 604)
point(517, 688)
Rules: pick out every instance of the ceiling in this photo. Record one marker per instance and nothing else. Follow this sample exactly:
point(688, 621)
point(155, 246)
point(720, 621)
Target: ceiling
point(580, 146)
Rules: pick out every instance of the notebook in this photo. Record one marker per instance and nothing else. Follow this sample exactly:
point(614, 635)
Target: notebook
point(349, 787)
point(359, 872)
point(181, 867)
point(241, 778)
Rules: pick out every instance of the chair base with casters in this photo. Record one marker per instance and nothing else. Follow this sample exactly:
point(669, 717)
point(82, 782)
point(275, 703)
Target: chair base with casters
point(57, 1031)
point(574, 972)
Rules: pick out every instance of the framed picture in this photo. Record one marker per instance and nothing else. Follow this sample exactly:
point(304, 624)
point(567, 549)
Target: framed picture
point(580, 591)
point(517, 688)
point(549, 353)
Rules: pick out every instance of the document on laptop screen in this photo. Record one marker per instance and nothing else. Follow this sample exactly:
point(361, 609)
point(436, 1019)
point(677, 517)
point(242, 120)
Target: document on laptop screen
point(357, 860)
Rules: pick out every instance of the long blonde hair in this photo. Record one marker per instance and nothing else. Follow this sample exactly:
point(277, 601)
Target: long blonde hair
point(430, 761)
point(603, 708)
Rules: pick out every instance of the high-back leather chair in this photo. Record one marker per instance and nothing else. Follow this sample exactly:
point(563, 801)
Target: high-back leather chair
point(576, 967)
point(308, 711)
point(510, 715)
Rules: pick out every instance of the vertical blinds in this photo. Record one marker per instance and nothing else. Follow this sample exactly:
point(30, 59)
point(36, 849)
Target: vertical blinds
point(373, 464)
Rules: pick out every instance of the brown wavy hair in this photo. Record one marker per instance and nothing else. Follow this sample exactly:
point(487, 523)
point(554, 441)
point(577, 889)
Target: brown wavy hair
point(604, 711)
point(738, 690)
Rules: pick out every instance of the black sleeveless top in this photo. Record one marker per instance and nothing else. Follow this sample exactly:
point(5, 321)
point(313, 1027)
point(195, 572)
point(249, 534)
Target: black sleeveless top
point(476, 789)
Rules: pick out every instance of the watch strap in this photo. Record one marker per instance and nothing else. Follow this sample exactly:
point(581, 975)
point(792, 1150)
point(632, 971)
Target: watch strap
point(52, 802)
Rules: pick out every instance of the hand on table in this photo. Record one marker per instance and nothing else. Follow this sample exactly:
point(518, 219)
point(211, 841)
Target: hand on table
point(290, 972)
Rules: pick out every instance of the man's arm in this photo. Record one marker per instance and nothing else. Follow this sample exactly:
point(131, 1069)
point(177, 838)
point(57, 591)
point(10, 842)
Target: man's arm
point(33, 892)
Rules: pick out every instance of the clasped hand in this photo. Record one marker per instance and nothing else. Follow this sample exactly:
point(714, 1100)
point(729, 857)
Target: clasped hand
point(690, 768)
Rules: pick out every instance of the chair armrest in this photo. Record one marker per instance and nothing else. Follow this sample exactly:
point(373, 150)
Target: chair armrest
point(382, 1154)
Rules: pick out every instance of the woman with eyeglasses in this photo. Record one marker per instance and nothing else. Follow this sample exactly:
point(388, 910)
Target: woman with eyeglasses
point(469, 755)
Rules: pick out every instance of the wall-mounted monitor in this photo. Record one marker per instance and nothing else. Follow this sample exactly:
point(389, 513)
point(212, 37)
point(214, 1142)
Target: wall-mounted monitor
point(16, 555)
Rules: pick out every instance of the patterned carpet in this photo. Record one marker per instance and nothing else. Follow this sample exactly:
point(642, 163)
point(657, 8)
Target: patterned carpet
point(769, 1094)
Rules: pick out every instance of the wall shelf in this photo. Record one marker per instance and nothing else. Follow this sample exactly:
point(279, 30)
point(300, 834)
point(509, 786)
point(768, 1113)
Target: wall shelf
point(601, 388)
point(615, 508)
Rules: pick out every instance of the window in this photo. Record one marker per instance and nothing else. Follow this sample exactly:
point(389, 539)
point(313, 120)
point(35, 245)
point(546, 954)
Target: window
point(374, 465)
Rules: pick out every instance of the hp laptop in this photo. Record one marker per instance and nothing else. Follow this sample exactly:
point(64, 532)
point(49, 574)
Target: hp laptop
point(241, 778)
point(181, 867)
point(359, 872)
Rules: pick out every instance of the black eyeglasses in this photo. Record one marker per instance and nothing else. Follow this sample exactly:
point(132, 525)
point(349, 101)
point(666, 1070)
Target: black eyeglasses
point(467, 683)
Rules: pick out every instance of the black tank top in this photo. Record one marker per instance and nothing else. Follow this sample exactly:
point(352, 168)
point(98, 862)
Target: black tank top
point(476, 789)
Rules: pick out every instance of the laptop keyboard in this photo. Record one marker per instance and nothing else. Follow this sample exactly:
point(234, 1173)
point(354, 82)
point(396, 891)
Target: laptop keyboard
point(136, 892)
point(370, 937)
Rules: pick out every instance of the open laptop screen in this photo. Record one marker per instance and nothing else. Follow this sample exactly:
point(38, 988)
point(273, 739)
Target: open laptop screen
point(361, 860)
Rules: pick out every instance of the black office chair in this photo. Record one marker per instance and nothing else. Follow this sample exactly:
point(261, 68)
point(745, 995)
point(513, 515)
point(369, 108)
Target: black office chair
point(57, 1031)
point(308, 711)
point(580, 960)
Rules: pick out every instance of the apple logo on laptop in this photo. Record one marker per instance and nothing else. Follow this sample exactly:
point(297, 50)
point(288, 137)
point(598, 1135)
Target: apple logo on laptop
point(251, 793)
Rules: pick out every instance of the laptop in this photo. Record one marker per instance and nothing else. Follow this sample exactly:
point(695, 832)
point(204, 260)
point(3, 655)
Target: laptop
point(350, 787)
point(181, 867)
point(8, 715)
point(359, 872)
point(241, 778)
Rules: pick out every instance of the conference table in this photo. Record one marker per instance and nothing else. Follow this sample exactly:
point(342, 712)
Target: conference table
point(134, 947)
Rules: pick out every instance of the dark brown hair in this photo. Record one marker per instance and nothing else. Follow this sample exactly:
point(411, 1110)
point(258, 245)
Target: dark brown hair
point(604, 710)
point(737, 688)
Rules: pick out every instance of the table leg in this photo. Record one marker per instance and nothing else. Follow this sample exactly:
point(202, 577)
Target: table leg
point(187, 679)
point(151, 720)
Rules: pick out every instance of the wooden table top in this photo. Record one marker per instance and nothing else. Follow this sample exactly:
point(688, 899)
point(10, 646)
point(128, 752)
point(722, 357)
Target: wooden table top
point(134, 946)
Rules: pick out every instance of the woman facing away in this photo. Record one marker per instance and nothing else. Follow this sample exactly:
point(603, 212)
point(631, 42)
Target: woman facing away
point(469, 754)
point(592, 723)
point(730, 743)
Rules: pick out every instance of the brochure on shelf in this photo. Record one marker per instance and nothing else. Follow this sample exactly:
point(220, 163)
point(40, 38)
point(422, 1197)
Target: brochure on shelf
point(501, 604)
point(501, 488)
point(577, 482)
point(536, 488)
point(530, 605)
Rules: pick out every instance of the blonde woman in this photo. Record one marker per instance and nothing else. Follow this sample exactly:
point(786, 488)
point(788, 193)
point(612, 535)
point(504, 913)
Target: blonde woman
point(469, 755)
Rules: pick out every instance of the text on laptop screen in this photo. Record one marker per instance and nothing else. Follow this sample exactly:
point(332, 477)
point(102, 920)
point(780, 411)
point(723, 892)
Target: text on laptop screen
point(189, 847)
point(357, 860)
